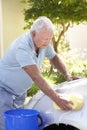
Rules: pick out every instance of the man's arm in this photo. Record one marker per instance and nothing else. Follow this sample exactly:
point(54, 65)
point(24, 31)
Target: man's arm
point(58, 63)
point(36, 76)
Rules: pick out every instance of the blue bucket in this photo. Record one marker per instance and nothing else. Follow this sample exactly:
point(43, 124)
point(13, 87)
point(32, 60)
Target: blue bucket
point(22, 119)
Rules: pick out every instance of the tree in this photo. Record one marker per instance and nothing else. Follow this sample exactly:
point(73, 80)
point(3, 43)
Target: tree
point(63, 14)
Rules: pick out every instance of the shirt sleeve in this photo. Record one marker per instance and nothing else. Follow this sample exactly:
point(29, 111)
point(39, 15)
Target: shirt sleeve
point(24, 57)
point(50, 53)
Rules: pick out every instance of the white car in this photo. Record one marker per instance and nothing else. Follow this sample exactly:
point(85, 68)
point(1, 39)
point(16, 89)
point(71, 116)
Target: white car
point(54, 119)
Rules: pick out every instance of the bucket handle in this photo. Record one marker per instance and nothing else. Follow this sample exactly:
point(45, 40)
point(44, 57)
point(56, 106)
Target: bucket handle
point(41, 120)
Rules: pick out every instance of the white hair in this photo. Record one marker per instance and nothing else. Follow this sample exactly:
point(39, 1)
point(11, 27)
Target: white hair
point(40, 23)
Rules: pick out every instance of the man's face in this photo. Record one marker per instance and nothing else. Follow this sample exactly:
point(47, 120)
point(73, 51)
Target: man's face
point(43, 38)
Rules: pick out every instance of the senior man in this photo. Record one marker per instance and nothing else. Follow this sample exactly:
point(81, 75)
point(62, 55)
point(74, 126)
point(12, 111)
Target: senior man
point(19, 67)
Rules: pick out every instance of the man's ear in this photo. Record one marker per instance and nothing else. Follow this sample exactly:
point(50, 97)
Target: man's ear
point(33, 34)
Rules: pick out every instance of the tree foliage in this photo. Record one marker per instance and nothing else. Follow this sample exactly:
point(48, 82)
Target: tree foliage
point(63, 14)
point(57, 10)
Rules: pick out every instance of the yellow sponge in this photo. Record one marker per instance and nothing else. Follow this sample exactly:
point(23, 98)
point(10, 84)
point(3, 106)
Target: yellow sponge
point(76, 99)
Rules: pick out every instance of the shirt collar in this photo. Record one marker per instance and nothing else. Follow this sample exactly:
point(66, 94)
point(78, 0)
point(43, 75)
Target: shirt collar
point(31, 43)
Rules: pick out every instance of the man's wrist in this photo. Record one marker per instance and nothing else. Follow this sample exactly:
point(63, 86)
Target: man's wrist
point(67, 75)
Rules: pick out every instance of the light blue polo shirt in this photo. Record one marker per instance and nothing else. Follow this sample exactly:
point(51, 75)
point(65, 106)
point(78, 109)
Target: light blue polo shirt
point(21, 53)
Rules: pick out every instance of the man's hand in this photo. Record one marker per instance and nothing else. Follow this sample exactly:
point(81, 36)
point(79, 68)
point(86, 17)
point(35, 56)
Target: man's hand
point(64, 104)
point(70, 78)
